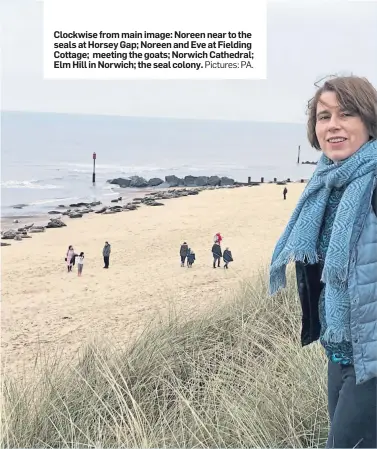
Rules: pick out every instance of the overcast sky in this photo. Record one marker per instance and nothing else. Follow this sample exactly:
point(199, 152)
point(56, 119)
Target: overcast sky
point(306, 41)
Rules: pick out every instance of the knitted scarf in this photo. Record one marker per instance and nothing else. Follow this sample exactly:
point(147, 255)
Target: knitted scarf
point(299, 240)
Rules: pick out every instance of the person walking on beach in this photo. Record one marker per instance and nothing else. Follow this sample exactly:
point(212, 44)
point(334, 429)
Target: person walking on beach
point(69, 258)
point(285, 191)
point(183, 253)
point(227, 257)
point(80, 264)
point(217, 254)
point(106, 254)
point(190, 258)
point(332, 237)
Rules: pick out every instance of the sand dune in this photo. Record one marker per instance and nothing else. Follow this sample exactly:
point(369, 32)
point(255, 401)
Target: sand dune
point(44, 306)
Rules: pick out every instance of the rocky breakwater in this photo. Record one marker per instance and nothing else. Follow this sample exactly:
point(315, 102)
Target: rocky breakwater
point(173, 181)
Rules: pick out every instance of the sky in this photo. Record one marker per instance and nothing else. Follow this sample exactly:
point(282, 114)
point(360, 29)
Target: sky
point(307, 40)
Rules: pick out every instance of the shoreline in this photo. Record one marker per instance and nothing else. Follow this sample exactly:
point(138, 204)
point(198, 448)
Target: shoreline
point(13, 222)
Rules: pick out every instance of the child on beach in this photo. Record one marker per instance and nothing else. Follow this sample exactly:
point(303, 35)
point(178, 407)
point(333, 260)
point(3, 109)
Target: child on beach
point(190, 258)
point(80, 263)
point(227, 257)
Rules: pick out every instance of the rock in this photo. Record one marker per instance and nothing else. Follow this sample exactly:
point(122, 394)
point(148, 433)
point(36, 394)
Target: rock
point(19, 206)
point(55, 223)
point(95, 203)
point(5, 244)
point(37, 230)
point(154, 182)
point(11, 234)
point(29, 226)
point(225, 181)
point(114, 201)
point(54, 212)
point(16, 221)
point(281, 183)
point(75, 215)
point(190, 181)
point(201, 181)
point(122, 182)
point(109, 211)
point(61, 206)
point(138, 181)
point(214, 181)
point(17, 237)
point(155, 203)
point(173, 181)
point(25, 236)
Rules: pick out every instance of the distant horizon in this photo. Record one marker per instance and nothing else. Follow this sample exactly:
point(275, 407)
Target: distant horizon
point(178, 119)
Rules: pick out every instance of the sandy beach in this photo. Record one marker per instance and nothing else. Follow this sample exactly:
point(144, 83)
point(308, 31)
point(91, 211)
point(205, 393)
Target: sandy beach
point(44, 306)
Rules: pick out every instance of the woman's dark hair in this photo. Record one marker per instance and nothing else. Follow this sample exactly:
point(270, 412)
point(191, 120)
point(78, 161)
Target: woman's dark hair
point(81, 254)
point(355, 95)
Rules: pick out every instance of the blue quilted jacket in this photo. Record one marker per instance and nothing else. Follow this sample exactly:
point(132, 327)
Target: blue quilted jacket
point(362, 286)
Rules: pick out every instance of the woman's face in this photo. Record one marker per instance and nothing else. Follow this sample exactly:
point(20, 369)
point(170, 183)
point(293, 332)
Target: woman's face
point(340, 133)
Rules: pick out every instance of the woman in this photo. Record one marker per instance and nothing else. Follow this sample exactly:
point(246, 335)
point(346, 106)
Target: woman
point(69, 258)
point(332, 237)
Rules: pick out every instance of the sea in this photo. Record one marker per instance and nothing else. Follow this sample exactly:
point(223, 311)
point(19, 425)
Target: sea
point(47, 158)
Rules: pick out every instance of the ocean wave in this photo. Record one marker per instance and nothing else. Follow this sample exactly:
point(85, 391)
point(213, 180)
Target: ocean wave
point(54, 200)
point(33, 184)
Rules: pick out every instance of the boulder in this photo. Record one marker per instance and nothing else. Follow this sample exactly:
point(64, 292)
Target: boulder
point(37, 230)
point(201, 181)
point(225, 181)
point(5, 244)
point(173, 181)
point(138, 182)
point(17, 237)
point(75, 215)
point(190, 181)
point(214, 181)
point(95, 203)
point(153, 182)
point(54, 212)
point(122, 182)
point(61, 206)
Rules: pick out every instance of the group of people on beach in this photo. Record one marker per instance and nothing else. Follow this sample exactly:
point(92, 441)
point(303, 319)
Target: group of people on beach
point(71, 257)
point(188, 254)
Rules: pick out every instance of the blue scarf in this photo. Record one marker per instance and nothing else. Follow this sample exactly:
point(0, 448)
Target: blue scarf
point(299, 240)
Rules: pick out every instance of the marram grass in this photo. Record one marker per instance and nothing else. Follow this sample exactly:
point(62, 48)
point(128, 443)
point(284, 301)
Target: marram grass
point(234, 377)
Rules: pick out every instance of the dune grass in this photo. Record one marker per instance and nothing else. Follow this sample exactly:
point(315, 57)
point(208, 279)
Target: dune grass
point(234, 377)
